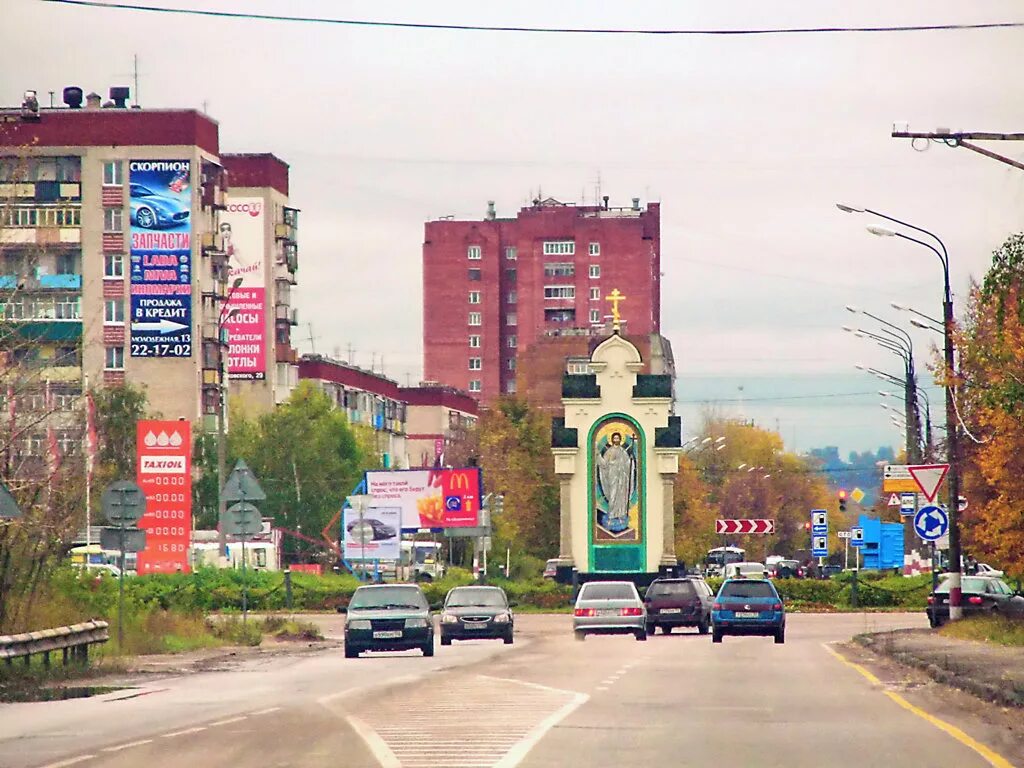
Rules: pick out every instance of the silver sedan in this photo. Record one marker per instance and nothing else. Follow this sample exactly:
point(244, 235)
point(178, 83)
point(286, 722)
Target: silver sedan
point(609, 608)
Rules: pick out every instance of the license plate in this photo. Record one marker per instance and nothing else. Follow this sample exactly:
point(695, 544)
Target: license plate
point(388, 634)
point(475, 625)
point(746, 615)
point(607, 612)
point(671, 610)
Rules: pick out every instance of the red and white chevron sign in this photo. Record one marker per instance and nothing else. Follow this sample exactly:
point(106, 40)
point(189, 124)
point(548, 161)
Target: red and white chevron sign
point(762, 525)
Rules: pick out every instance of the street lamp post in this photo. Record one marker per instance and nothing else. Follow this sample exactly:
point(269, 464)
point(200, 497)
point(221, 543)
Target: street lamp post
point(222, 408)
point(952, 426)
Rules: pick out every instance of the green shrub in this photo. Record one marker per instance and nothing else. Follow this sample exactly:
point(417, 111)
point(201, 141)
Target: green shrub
point(233, 630)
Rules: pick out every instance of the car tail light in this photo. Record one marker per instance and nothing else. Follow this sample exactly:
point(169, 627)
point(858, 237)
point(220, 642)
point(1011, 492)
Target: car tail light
point(716, 607)
point(631, 611)
point(776, 606)
point(584, 612)
point(931, 599)
point(799, 573)
point(975, 600)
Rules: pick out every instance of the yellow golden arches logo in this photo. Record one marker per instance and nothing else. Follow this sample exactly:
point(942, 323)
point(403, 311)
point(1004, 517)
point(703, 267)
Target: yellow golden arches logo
point(460, 481)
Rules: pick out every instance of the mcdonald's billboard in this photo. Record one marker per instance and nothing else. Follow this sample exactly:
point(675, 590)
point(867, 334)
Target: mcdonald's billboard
point(429, 498)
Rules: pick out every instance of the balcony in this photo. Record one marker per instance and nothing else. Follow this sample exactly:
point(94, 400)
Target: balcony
point(283, 353)
point(42, 191)
point(285, 232)
point(282, 272)
point(61, 373)
point(42, 282)
point(212, 243)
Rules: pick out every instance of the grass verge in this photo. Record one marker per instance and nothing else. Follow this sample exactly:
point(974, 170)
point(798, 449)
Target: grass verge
point(987, 629)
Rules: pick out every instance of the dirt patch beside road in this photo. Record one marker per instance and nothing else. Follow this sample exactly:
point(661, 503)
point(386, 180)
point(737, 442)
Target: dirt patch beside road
point(993, 673)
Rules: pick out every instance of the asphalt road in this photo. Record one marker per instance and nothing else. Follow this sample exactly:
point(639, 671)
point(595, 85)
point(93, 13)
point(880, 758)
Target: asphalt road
point(546, 701)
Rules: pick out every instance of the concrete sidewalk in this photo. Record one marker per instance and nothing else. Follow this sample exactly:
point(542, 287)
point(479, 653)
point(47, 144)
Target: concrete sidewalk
point(991, 672)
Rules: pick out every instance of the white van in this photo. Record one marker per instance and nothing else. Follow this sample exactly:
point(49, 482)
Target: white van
point(746, 571)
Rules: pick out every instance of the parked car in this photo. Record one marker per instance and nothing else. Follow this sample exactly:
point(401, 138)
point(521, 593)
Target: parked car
point(609, 608)
point(551, 569)
point(828, 571)
point(388, 617)
point(786, 569)
point(984, 569)
point(746, 571)
point(684, 602)
point(748, 607)
point(983, 595)
point(471, 613)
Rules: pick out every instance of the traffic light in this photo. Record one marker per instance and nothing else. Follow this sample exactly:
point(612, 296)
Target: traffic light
point(842, 500)
point(807, 526)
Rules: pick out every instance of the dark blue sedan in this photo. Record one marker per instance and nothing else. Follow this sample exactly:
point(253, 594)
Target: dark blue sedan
point(748, 607)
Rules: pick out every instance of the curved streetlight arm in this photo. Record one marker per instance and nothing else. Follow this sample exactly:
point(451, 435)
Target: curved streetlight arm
point(944, 259)
point(886, 376)
point(888, 344)
point(944, 256)
point(903, 335)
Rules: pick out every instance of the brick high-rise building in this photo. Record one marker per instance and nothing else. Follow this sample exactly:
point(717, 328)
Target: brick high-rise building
point(493, 287)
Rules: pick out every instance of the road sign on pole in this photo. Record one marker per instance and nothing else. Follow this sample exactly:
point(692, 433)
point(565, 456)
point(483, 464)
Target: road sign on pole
point(745, 526)
point(843, 534)
point(123, 503)
point(931, 523)
point(243, 519)
point(908, 503)
point(856, 536)
point(819, 522)
point(819, 546)
point(242, 485)
point(896, 478)
point(928, 478)
point(857, 495)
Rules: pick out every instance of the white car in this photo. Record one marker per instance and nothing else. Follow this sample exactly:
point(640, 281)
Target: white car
point(746, 571)
point(984, 569)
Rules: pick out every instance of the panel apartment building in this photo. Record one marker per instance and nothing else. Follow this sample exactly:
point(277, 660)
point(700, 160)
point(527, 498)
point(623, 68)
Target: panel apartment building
point(492, 288)
point(113, 265)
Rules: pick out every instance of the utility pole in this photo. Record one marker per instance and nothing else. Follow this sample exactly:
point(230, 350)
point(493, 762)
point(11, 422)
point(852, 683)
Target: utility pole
point(965, 139)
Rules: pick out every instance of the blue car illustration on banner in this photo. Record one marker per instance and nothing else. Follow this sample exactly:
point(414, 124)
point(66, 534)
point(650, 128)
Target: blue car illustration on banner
point(158, 210)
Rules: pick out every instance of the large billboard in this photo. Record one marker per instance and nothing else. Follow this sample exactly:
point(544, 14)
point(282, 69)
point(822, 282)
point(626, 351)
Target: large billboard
point(242, 228)
point(160, 254)
point(376, 536)
point(164, 472)
point(429, 498)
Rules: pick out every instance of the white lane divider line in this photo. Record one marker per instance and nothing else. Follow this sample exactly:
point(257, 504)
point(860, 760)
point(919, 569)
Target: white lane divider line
point(522, 748)
point(601, 688)
point(377, 746)
point(266, 711)
point(70, 761)
point(129, 745)
point(172, 734)
point(229, 721)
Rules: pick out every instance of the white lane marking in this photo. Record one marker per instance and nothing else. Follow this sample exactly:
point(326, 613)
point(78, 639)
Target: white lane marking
point(266, 711)
point(229, 721)
point(538, 686)
point(601, 688)
point(395, 681)
point(129, 745)
point(522, 748)
point(172, 734)
point(375, 743)
point(69, 761)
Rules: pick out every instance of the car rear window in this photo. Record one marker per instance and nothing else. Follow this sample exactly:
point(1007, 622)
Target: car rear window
point(671, 589)
point(747, 589)
point(968, 584)
point(607, 592)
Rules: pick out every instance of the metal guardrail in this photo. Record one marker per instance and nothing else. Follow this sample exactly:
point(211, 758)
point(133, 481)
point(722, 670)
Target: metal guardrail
point(73, 641)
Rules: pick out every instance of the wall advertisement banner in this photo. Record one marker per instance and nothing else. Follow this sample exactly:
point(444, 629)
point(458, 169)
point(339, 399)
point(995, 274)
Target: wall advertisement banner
point(160, 254)
point(164, 472)
point(376, 537)
point(243, 229)
point(430, 498)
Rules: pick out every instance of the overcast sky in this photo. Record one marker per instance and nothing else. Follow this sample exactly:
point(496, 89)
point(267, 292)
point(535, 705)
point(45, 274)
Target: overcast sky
point(746, 141)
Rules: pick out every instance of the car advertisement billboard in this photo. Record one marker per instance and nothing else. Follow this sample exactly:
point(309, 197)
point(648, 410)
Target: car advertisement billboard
point(376, 536)
point(430, 498)
point(164, 472)
point(160, 254)
point(242, 229)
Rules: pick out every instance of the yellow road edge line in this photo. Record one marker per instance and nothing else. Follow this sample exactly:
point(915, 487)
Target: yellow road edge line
point(993, 758)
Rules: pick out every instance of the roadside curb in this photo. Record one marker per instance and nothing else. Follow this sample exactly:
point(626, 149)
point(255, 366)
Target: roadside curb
point(1004, 695)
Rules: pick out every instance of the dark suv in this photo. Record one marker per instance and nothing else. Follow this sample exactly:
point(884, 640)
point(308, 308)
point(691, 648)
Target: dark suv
point(684, 602)
point(388, 617)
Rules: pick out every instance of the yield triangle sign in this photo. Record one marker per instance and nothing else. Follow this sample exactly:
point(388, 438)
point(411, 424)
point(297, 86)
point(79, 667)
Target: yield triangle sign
point(929, 477)
point(242, 485)
point(894, 500)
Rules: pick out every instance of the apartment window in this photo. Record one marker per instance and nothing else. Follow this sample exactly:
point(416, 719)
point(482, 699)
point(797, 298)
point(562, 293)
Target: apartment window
point(595, 249)
point(474, 275)
point(595, 316)
point(475, 364)
point(511, 253)
point(114, 360)
point(595, 270)
point(595, 294)
point(559, 248)
point(474, 318)
point(510, 275)
point(113, 265)
point(512, 297)
point(113, 173)
point(67, 307)
point(510, 318)
point(113, 312)
point(474, 342)
point(512, 341)
point(474, 297)
point(474, 252)
point(66, 264)
point(559, 292)
point(474, 385)
point(559, 269)
point(510, 386)
point(577, 367)
point(112, 219)
point(511, 364)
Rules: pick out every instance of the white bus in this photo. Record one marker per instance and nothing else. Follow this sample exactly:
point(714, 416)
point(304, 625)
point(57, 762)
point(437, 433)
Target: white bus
point(719, 557)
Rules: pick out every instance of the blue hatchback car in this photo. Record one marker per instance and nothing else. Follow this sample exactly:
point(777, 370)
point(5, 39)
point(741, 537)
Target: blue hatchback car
point(748, 607)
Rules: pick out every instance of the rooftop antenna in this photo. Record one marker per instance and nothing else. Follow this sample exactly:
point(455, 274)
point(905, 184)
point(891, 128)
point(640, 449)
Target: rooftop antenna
point(312, 344)
point(51, 99)
point(135, 75)
point(350, 356)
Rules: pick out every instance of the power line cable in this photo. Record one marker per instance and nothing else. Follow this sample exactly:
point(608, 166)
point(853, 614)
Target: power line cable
point(546, 30)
